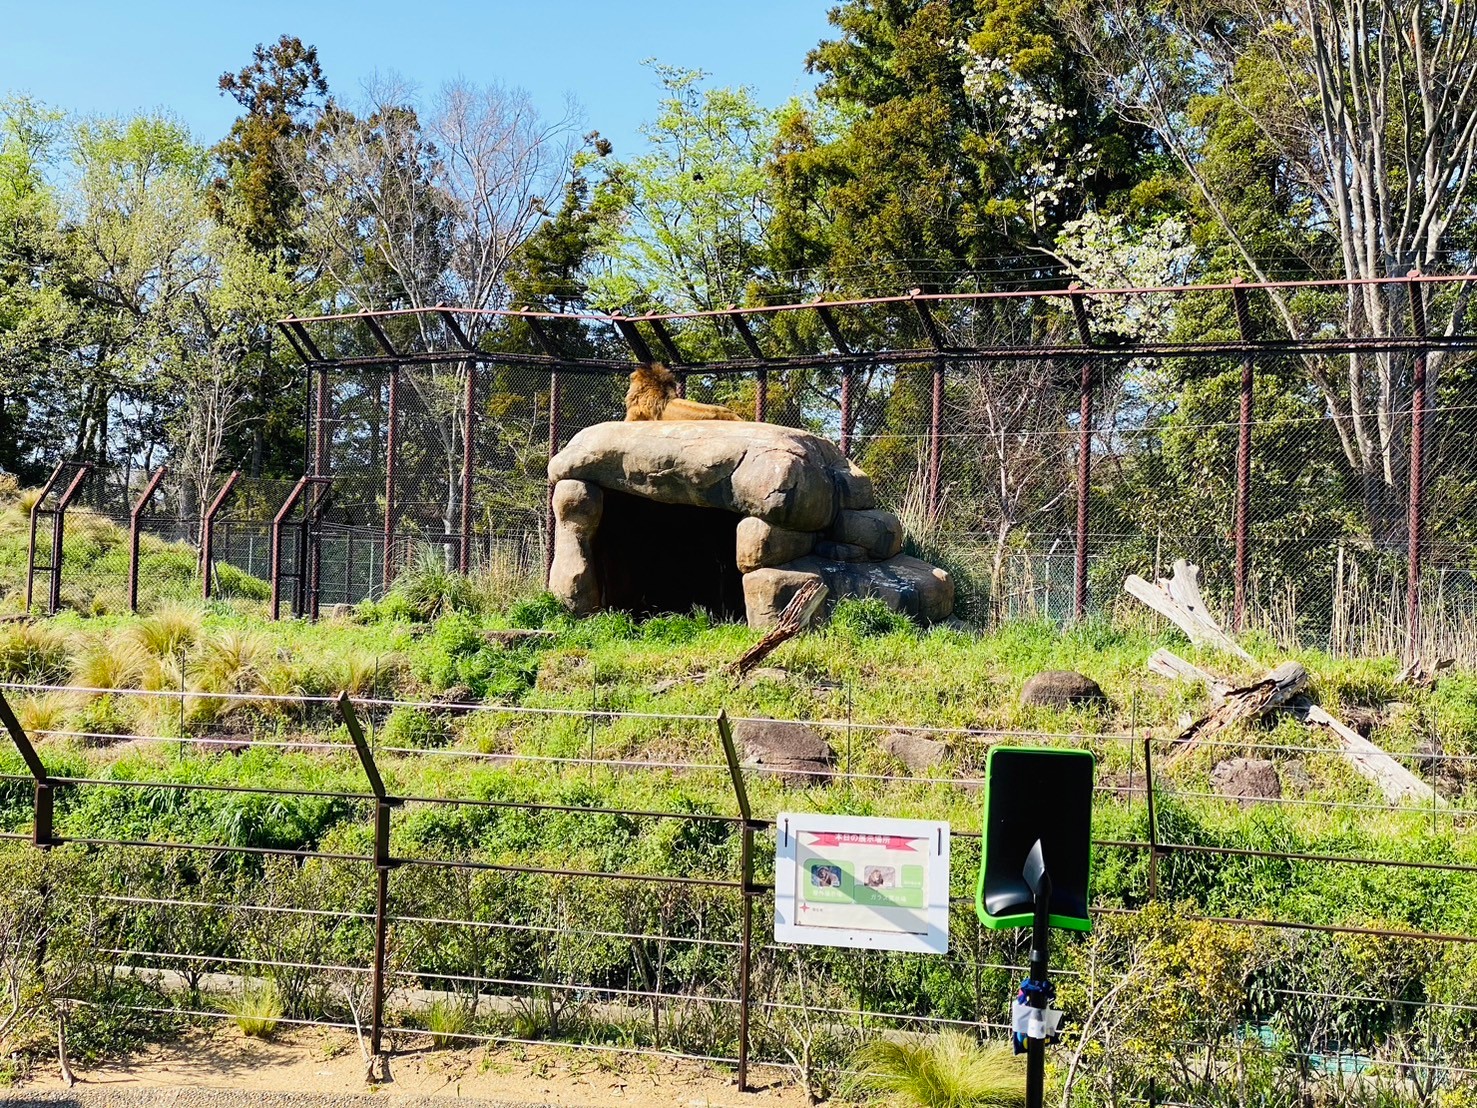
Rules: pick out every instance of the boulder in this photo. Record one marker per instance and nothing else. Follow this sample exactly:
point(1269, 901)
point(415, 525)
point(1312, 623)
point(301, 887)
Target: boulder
point(577, 507)
point(877, 532)
point(840, 551)
point(1247, 780)
point(786, 477)
point(919, 753)
point(1058, 688)
point(794, 750)
point(855, 489)
point(768, 673)
point(904, 584)
point(804, 510)
point(762, 544)
point(768, 591)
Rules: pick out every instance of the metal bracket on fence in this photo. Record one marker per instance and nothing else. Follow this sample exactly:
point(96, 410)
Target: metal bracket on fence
point(750, 891)
point(207, 533)
point(383, 863)
point(135, 521)
point(41, 834)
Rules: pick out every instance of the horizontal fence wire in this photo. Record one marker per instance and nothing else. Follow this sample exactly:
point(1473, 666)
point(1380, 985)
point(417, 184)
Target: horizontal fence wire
point(414, 933)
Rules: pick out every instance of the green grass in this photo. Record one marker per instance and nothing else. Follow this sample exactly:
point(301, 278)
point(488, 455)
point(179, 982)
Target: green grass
point(257, 1008)
point(948, 1070)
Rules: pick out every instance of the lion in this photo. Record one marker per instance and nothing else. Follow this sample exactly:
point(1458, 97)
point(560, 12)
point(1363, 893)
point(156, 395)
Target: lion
point(653, 395)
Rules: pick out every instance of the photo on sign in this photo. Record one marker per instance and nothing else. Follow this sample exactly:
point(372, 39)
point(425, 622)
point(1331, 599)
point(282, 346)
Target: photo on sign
point(825, 877)
point(862, 882)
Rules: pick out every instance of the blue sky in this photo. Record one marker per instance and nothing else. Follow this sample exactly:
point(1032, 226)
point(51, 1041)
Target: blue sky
point(118, 57)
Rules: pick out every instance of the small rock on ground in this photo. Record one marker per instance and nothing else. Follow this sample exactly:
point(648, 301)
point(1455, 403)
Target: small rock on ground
point(1056, 688)
point(918, 752)
point(795, 750)
point(1247, 780)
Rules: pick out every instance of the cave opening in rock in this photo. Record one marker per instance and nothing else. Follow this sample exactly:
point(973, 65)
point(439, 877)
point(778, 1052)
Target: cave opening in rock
point(652, 557)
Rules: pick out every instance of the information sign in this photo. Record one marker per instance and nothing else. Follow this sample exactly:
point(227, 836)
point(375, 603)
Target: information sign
point(861, 881)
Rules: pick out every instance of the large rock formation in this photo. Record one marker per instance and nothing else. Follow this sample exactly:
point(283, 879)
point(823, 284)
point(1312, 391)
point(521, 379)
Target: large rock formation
point(788, 508)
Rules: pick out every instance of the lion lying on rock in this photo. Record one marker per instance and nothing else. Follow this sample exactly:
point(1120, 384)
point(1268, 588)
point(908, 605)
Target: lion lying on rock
point(653, 395)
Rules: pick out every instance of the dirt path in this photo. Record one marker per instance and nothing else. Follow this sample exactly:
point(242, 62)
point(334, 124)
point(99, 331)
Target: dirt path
point(318, 1069)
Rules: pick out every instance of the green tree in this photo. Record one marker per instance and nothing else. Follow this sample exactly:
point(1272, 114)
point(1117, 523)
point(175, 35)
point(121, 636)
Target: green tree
point(950, 137)
point(136, 241)
point(1322, 140)
point(282, 93)
point(256, 197)
point(686, 220)
point(36, 308)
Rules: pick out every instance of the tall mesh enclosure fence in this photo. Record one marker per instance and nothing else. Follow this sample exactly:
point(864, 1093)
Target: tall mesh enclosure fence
point(1310, 447)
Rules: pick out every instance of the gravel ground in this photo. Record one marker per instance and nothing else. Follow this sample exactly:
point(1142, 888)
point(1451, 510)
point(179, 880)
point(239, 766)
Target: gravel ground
point(229, 1098)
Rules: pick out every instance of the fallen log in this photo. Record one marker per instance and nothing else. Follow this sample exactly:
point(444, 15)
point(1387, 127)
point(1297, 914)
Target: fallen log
point(794, 619)
point(1177, 598)
point(1250, 702)
point(1170, 665)
point(1275, 692)
point(1393, 779)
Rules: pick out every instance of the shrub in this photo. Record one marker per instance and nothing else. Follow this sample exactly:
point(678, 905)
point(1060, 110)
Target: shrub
point(539, 611)
point(448, 1021)
point(430, 587)
point(232, 662)
point(232, 582)
point(258, 1008)
point(950, 1070)
point(25, 500)
point(865, 617)
point(102, 719)
point(168, 631)
point(412, 727)
point(34, 654)
point(108, 665)
point(40, 715)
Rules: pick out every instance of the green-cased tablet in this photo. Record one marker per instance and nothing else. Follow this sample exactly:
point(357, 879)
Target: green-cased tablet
point(1033, 793)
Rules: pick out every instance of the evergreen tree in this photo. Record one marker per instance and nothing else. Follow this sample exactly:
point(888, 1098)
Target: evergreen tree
point(256, 196)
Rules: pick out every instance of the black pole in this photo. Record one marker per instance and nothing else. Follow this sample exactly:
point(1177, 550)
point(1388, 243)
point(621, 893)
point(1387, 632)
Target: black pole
point(1040, 884)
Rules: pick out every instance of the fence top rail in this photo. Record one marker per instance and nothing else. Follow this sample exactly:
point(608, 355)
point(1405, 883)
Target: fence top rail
point(439, 338)
point(1067, 292)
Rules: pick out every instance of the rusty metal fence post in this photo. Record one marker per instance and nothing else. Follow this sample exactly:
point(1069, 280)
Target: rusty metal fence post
point(41, 833)
point(134, 521)
point(749, 892)
point(383, 863)
point(1153, 819)
point(1084, 456)
point(58, 530)
point(1243, 458)
point(392, 457)
point(935, 443)
point(207, 534)
point(549, 496)
point(469, 430)
point(277, 520)
point(1417, 474)
point(320, 430)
